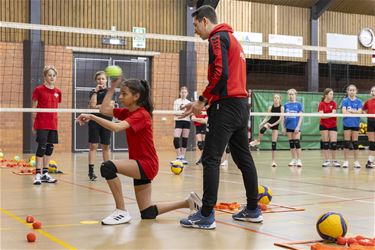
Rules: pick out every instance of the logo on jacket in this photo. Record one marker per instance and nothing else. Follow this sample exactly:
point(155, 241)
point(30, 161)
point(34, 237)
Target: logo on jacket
point(56, 95)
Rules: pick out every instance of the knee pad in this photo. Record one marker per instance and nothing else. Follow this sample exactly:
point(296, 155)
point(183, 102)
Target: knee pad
point(291, 144)
point(325, 145)
point(262, 130)
point(108, 170)
point(49, 149)
point(200, 145)
point(273, 145)
point(355, 145)
point(297, 144)
point(41, 151)
point(333, 145)
point(184, 142)
point(227, 149)
point(347, 144)
point(372, 145)
point(149, 213)
point(176, 142)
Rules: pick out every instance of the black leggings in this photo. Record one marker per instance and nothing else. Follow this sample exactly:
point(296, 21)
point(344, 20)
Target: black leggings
point(222, 131)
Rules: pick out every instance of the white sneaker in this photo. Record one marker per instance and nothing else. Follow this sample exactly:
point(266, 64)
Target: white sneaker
point(357, 165)
point(37, 179)
point(326, 163)
point(195, 203)
point(336, 164)
point(345, 164)
point(292, 163)
point(254, 143)
point(299, 163)
point(117, 217)
point(47, 178)
point(273, 164)
point(224, 163)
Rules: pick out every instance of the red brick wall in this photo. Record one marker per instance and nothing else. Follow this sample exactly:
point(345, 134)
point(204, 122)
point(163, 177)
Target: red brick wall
point(165, 88)
point(11, 96)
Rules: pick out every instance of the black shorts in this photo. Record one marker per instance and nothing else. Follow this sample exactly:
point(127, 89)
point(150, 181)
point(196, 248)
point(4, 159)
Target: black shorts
point(322, 128)
point(276, 127)
point(97, 132)
point(143, 180)
point(47, 136)
point(182, 124)
point(370, 125)
point(291, 130)
point(200, 129)
point(351, 128)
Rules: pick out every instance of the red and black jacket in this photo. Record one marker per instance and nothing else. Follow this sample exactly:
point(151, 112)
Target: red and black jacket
point(227, 66)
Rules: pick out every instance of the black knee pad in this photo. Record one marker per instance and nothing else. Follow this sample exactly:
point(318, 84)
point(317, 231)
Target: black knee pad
point(149, 213)
point(184, 142)
point(273, 145)
point(297, 144)
point(355, 145)
point(49, 149)
point(333, 145)
point(291, 144)
point(347, 144)
point(176, 142)
point(41, 150)
point(108, 170)
point(325, 145)
point(227, 149)
point(262, 130)
point(200, 145)
point(372, 145)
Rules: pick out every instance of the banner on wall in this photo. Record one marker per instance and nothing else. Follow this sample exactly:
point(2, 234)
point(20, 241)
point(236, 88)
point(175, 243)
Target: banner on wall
point(246, 37)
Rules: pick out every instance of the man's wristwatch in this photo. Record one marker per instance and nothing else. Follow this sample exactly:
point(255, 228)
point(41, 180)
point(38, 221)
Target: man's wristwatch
point(202, 99)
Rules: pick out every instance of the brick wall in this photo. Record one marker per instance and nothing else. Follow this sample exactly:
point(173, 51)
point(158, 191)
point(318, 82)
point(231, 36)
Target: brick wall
point(11, 96)
point(165, 88)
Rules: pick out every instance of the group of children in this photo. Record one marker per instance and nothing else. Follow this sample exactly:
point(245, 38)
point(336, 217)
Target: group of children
point(291, 125)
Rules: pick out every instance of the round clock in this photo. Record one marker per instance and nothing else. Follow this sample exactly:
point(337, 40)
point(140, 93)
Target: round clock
point(366, 37)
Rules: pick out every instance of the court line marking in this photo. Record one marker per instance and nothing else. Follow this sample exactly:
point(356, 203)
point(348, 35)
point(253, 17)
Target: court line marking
point(41, 231)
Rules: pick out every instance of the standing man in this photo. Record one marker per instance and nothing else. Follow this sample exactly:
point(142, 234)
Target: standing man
point(228, 116)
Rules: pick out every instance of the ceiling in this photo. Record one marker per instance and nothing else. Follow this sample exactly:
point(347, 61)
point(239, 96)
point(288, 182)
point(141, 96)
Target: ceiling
point(364, 7)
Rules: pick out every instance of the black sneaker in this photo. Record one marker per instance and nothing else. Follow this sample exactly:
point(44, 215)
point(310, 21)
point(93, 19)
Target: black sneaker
point(92, 177)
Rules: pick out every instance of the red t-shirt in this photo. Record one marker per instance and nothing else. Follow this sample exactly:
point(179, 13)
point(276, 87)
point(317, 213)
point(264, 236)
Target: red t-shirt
point(328, 107)
point(140, 139)
point(46, 98)
point(197, 124)
point(370, 107)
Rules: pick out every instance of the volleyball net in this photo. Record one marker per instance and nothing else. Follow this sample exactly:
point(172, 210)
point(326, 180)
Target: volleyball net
point(168, 62)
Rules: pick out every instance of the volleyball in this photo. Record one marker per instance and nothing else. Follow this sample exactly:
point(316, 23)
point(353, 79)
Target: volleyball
point(52, 166)
point(264, 194)
point(1, 155)
point(113, 71)
point(177, 167)
point(331, 225)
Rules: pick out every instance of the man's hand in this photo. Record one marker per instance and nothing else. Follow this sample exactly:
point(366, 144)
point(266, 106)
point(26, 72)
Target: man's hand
point(192, 107)
point(83, 118)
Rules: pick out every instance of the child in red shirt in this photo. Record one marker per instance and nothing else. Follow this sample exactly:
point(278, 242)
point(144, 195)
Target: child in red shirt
point(142, 164)
point(328, 128)
point(46, 95)
point(369, 108)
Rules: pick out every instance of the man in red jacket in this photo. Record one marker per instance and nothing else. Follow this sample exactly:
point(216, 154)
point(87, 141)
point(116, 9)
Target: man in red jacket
point(227, 119)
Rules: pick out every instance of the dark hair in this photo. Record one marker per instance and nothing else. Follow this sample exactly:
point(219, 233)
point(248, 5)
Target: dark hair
point(326, 92)
point(205, 11)
point(142, 88)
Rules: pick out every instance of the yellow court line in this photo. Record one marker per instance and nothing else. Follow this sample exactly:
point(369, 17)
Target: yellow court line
point(41, 231)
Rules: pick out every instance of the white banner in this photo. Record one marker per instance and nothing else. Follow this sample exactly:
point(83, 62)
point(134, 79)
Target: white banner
point(139, 41)
point(246, 37)
point(340, 41)
point(275, 51)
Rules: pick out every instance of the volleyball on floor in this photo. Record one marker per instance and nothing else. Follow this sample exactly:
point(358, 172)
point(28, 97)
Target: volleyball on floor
point(52, 166)
point(177, 167)
point(331, 225)
point(264, 194)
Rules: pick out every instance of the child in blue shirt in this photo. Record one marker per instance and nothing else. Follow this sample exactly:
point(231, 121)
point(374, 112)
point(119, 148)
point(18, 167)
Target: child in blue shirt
point(351, 105)
point(292, 126)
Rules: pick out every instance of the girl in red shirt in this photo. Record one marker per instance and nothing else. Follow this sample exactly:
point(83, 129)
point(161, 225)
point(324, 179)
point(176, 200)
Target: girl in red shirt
point(369, 108)
point(328, 128)
point(142, 164)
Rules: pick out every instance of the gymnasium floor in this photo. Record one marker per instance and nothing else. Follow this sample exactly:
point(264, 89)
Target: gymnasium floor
point(62, 207)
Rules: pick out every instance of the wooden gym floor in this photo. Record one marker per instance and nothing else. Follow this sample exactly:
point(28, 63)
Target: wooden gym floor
point(67, 208)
